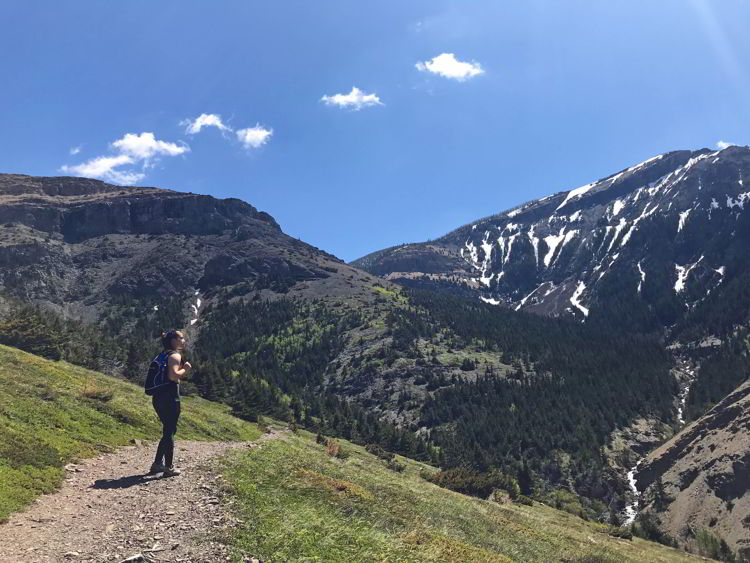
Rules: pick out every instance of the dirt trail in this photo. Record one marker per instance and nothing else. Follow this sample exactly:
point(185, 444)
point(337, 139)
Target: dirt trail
point(107, 510)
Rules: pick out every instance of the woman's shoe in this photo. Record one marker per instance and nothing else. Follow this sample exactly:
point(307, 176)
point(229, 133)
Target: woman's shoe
point(171, 472)
point(156, 468)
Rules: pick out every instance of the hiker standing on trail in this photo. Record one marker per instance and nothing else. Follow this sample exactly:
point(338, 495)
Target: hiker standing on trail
point(163, 382)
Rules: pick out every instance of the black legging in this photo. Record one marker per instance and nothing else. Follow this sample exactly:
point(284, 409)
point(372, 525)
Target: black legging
point(168, 410)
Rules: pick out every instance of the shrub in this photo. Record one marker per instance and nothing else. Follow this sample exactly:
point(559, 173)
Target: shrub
point(622, 532)
point(647, 526)
point(523, 499)
point(566, 501)
point(98, 394)
point(334, 449)
point(472, 482)
point(320, 439)
point(263, 425)
point(378, 451)
point(395, 465)
point(710, 545)
point(467, 365)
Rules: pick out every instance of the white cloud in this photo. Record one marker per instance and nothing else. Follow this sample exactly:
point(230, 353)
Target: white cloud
point(254, 137)
point(75, 150)
point(133, 150)
point(106, 168)
point(145, 146)
point(204, 120)
point(448, 66)
point(356, 99)
point(724, 144)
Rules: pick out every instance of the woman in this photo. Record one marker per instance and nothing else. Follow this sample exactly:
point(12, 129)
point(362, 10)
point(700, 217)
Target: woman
point(166, 400)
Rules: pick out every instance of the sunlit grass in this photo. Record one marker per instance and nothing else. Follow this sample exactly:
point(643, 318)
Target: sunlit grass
point(52, 413)
point(298, 503)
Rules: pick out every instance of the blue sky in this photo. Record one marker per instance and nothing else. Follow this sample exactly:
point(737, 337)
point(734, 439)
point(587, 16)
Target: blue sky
point(538, 97)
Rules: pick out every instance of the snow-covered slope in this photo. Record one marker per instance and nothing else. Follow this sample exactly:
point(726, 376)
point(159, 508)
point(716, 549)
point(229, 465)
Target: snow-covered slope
point(665, 232)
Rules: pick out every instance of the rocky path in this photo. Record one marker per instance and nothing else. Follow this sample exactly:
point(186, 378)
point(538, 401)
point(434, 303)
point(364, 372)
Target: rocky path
point(108, 510)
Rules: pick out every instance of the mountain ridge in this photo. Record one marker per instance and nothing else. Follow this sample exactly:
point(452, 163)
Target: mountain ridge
point(548, 255)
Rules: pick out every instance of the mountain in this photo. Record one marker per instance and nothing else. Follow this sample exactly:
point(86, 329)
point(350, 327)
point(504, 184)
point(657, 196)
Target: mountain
point(92, 272)
point(659, 248)
point(652, 240)
point(81, 246)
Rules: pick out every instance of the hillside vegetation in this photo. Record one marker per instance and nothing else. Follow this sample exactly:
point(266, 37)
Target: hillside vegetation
point(298, 502)
point(52, 413)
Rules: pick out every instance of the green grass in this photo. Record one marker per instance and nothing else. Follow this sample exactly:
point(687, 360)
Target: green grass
point(297, 503)
point(52, 413)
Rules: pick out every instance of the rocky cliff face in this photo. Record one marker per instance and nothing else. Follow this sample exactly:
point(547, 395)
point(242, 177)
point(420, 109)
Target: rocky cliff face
point(665, 233)
point(78, 244)
point(80, 209)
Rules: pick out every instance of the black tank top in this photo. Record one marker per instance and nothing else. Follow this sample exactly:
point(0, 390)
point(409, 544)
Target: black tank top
point(171, 391)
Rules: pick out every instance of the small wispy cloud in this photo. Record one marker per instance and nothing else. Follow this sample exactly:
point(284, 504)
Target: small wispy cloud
point(250, 137)
point(724, 144)
point(145, 146)
point(75, 150)
point(356, 100)
point(448, 66)
point(131, 151)
point(106, 168)
point(204, 120)
point(254, 137)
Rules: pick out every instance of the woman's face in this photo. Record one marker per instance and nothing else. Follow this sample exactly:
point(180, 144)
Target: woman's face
point(178, 343)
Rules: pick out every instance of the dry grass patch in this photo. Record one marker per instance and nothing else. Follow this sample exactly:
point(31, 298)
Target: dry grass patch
point(321, 481)
point(441, 548)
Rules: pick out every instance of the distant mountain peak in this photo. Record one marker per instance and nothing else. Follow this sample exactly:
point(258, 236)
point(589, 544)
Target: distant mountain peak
point(669, 224)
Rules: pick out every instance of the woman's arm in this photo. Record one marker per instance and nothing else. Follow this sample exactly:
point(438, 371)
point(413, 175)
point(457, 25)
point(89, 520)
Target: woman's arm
point(175, 369)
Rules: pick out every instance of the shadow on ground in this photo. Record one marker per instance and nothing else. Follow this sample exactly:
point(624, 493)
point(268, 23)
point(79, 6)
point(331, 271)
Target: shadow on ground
point(124, 482)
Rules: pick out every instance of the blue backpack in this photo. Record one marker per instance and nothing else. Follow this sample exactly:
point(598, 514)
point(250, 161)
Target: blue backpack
point(156, 379)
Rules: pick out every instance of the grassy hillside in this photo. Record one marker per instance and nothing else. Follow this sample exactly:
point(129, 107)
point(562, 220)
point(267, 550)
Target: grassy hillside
point(299, 503)
point(52, 413)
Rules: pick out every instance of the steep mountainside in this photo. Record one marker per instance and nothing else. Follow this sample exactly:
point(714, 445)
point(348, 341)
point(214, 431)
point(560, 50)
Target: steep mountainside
point(657, 237)
point(81, 245)
point(700, 480)
point(660, 248)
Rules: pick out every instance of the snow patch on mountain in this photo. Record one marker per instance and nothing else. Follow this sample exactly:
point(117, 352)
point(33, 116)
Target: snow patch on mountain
point(535, 243)
point(523, 301)
point(645, 162)
point(617, 207)
point(574, 299)
point(643, 276)
point(739, 202)
point(576, 193)
point(682, 274)
point(620, 226)
point(683, 218)
point(511, 240)
point(552, 242)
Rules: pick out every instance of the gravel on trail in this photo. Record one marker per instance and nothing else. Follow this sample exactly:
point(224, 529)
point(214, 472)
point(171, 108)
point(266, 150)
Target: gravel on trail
point(108, 510)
